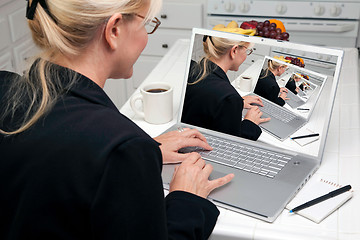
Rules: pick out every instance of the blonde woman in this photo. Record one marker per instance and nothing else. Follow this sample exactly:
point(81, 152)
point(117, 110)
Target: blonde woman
point(267, 86)
point(211, 101)
point(72, 166)
point(291, 84)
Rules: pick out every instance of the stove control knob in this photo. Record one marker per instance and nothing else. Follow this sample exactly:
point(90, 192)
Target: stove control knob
point(319, 10)
point(281, 8)
point(319, 56)
point(229, 6)
point(335, 11)
point(327, 57)
point(244, 7)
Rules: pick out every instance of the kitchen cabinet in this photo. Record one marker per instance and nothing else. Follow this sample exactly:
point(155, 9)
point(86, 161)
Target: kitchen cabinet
point(177, 20)
point(6, 61)
point(16, 45)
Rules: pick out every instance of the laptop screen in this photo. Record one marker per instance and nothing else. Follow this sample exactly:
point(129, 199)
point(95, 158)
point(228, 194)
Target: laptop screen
point(212, 83)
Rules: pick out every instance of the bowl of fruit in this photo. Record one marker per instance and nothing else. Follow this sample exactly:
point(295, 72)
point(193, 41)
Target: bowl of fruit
point(296, 61)
point(272, 28)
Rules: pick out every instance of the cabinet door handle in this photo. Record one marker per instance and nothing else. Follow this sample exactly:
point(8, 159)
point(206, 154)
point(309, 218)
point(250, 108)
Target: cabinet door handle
point(165, 45)
point(164, 16)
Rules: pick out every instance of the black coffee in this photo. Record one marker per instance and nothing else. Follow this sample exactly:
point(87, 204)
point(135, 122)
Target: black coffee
point(156, 90)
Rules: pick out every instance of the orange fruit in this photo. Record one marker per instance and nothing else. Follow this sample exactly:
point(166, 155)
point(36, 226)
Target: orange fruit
point(279, 24)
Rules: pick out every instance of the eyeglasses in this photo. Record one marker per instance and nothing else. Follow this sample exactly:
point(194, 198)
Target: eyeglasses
point(248, 50)
point(150, 25)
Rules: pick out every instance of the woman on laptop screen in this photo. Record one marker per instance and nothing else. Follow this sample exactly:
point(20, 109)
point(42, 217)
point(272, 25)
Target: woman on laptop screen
point(267, 86)
point(291, 84)
point(211, 101)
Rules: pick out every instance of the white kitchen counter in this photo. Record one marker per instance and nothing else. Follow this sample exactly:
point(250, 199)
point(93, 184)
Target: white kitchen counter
point(341, 159)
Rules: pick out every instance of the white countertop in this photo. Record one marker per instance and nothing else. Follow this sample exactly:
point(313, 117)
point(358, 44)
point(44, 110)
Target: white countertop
point(341, 159)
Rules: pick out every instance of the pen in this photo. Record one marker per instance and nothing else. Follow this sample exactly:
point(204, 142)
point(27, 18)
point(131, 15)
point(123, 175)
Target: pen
point(303, 109)
point(305, 136)
point(322, 198)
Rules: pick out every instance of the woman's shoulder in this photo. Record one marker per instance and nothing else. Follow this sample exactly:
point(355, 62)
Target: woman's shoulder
point(7, 77)
point(97, 118)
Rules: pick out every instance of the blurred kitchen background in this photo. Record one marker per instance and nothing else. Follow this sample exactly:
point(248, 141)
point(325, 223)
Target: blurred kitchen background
point(329, 22)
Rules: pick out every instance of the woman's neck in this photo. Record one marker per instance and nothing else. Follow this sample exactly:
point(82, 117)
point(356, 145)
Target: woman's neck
point(273, 72)
point(223, 64)
point(90, 63)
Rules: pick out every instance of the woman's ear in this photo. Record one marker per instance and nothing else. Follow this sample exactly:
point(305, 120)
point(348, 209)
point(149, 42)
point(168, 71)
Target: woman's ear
point(233, 51)
point(112, 30)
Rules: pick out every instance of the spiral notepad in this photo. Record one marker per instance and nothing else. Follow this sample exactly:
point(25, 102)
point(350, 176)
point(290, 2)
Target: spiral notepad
point(314, 189)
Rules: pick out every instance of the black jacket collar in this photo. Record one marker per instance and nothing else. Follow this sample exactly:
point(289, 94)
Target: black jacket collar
point(218, 71)
point(84, 87)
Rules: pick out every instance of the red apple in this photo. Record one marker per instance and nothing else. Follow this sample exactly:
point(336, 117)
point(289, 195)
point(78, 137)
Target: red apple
point(247, 25)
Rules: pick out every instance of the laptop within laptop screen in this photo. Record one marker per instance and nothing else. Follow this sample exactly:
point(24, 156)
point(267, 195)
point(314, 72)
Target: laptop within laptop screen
point(303, 82)
point(205, 103)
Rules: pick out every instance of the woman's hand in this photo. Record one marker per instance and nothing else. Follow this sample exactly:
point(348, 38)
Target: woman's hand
point(283, 90)
point(193, 176)
point(248, 100)
point(172, 141)
point(254, 114)
point(297, 89)
point(283, 95)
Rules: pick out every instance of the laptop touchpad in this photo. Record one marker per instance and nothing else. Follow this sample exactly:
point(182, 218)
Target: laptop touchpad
point(216, 174)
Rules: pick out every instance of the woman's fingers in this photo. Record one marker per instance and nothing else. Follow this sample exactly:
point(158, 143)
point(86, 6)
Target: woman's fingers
point(193, 133)
point(262, 120)
point(219, 182)
point(191, 142)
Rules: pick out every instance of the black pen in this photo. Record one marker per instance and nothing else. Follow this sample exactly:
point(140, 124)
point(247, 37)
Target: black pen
point(305, 136)
point(307, 109)
point(322, 198)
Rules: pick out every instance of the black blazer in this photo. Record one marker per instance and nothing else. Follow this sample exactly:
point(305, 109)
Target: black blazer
point(291, 85)
point(85, 171)
point(268, 88)
point(214, 104)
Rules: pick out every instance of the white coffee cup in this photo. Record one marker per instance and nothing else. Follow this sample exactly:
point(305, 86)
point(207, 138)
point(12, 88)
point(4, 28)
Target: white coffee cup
point(245, 83)
point(157, 102)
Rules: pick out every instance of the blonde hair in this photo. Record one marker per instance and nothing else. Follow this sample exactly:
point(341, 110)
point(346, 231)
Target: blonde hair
point(272, 66)
point(214, 48)
point(72, 25)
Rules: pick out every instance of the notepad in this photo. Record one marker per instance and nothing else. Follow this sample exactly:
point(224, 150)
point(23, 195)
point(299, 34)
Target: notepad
point(314, 189)
point(304, 141)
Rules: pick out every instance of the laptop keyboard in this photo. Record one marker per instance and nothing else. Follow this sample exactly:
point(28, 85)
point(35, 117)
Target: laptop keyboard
point(278, 113)
point(243, 157)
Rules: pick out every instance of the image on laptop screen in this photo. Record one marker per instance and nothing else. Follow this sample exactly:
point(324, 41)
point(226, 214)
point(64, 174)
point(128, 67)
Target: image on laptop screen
point(302, 85)
point(199, 108)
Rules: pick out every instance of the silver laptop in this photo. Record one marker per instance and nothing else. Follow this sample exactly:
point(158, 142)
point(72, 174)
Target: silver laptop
point(294, 100)
point(266, 177)
point(283, 122)
point(301, 93)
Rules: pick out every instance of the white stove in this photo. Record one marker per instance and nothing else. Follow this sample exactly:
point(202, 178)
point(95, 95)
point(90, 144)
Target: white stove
point(332, 23)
